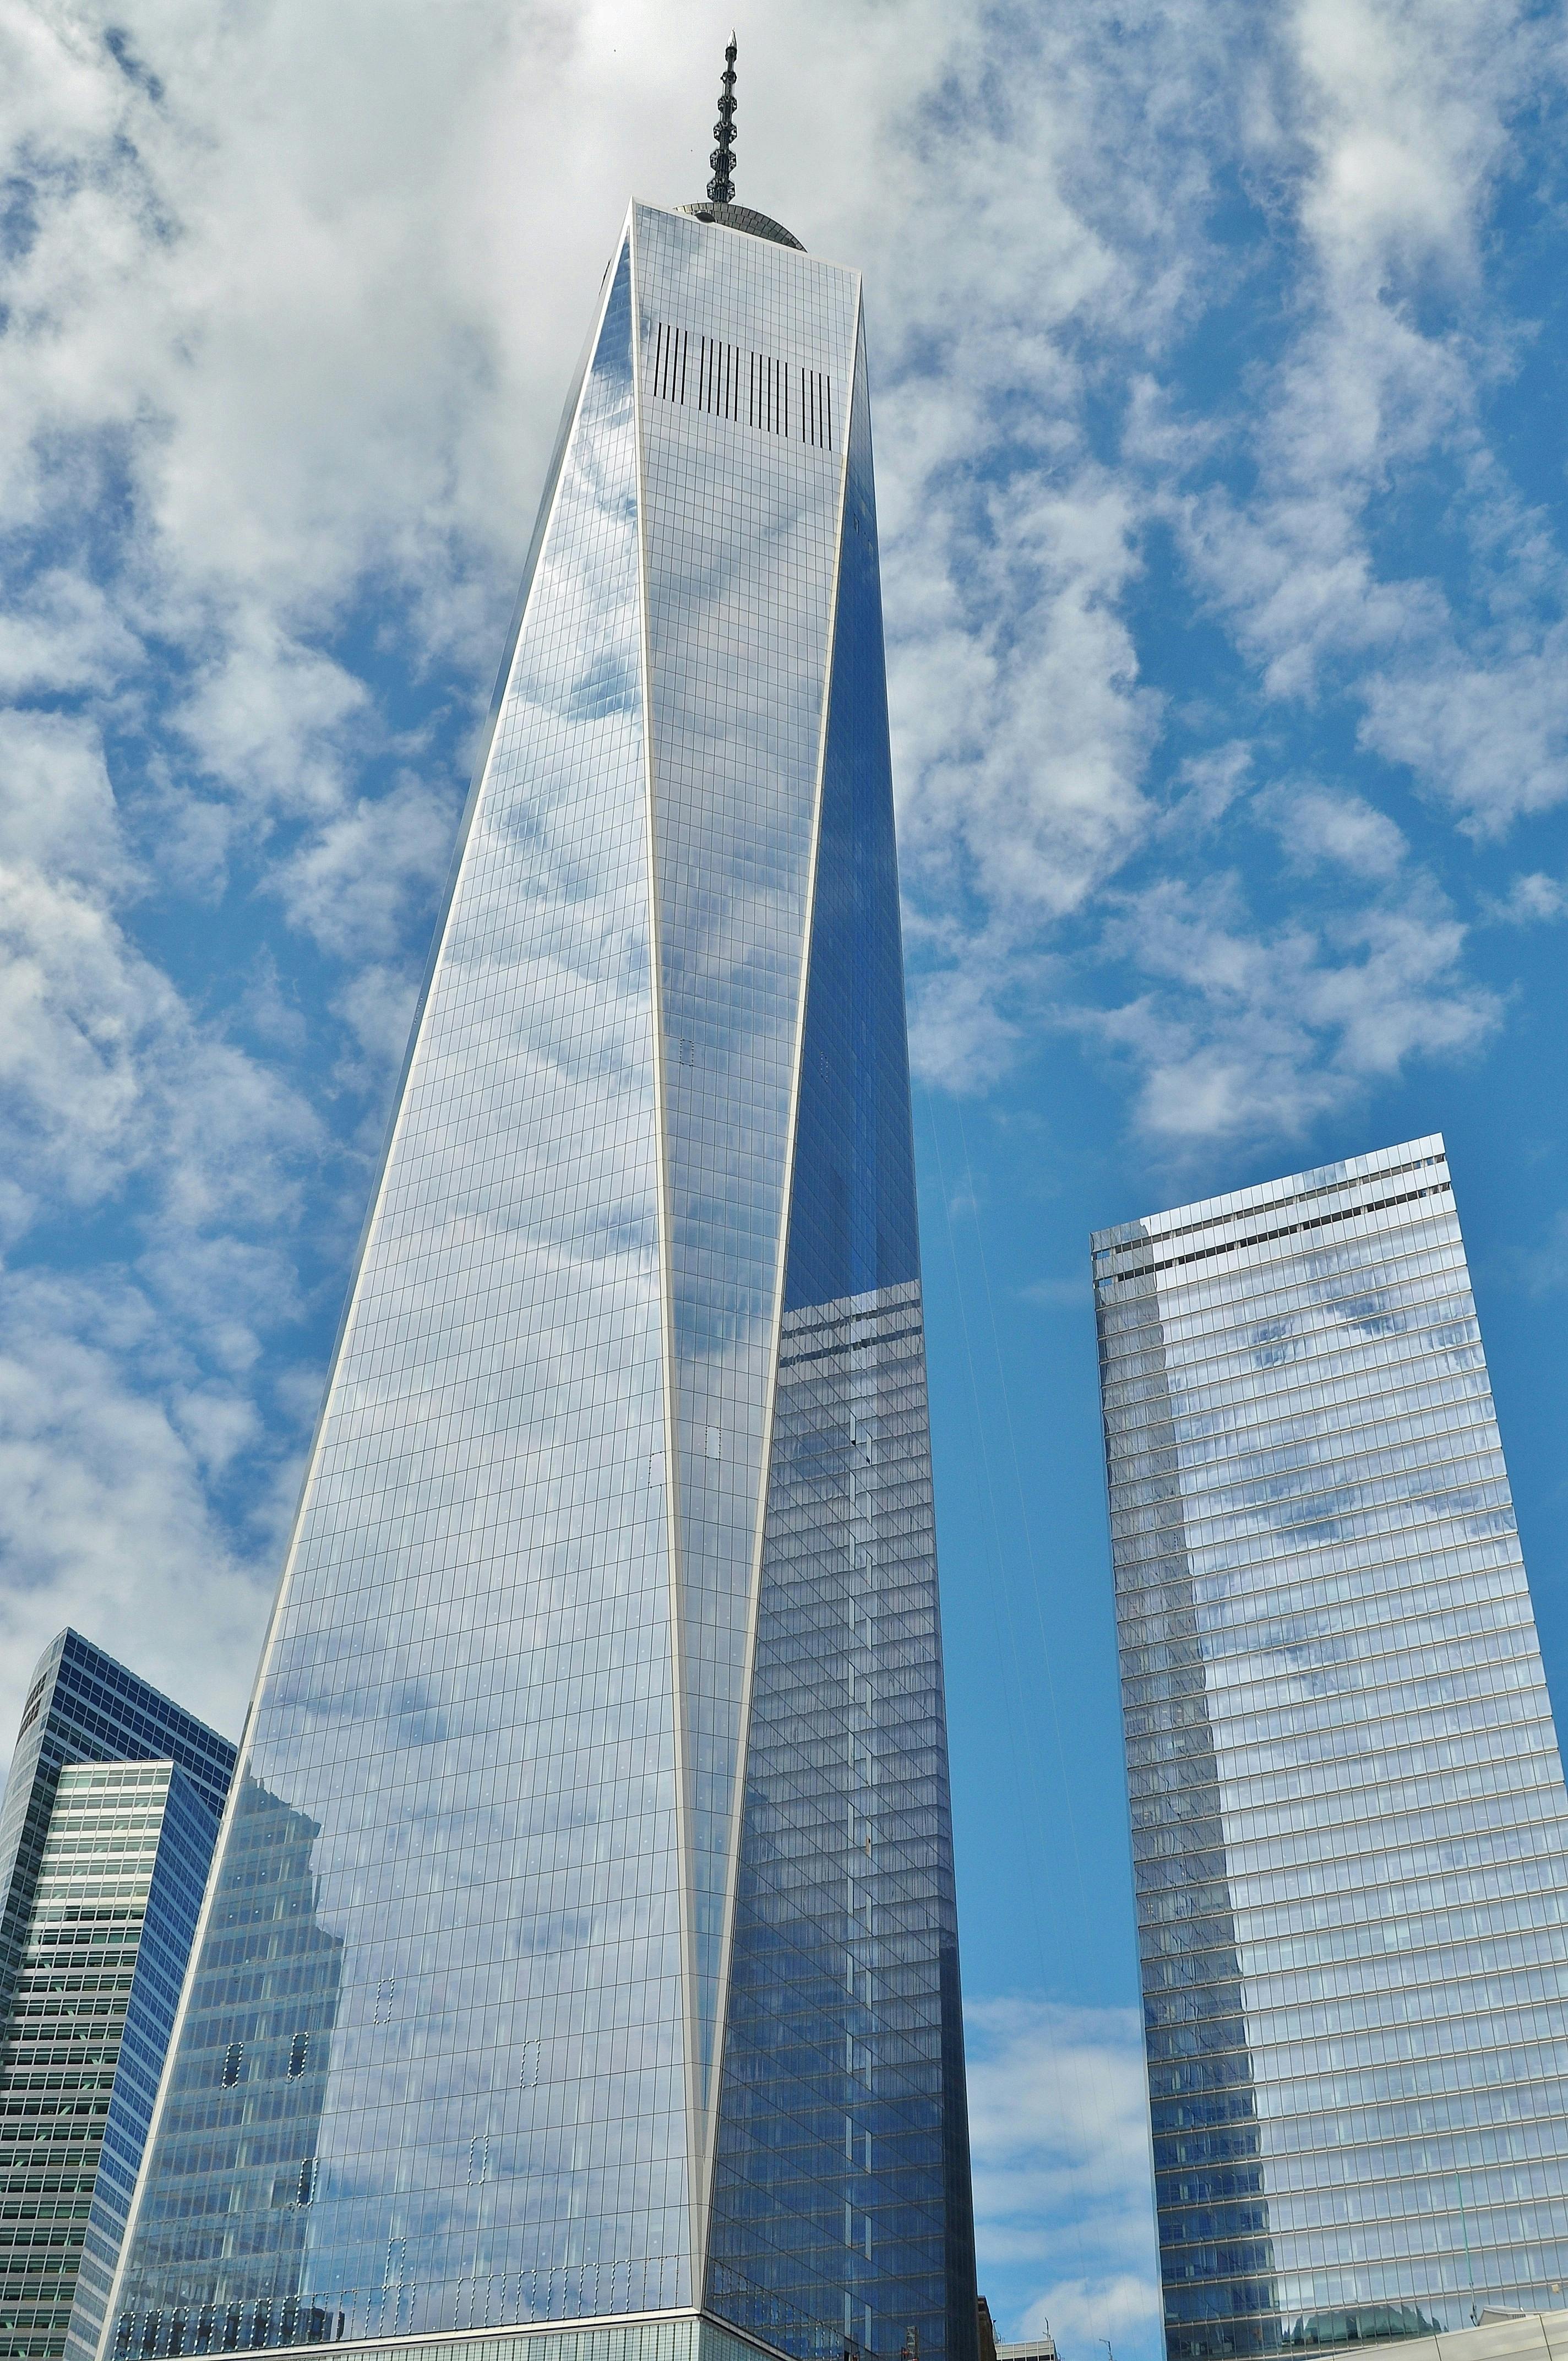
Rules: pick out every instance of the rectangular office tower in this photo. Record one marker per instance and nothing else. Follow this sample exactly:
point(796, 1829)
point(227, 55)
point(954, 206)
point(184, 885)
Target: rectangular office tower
point(104, 1857)
point(1350, 1835)
point(581, 1949)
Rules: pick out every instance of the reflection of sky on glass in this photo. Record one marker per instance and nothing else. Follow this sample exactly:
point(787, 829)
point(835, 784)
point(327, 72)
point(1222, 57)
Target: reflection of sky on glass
point(840, 2197)
point(1391, 1834)
point(469, 1688)
point(460, 1987)
point(742, 529)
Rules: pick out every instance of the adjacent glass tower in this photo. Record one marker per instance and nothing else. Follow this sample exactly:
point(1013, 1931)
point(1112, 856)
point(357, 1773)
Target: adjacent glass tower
point(103, 1861)
point(1350, 1832)
point(589, 1870)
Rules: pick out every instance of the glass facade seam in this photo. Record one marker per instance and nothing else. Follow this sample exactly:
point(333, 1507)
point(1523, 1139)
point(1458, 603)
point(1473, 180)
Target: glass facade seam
point(695, 2143)
point(514, 2002)
point(1350, 1831)
point(709, 2153)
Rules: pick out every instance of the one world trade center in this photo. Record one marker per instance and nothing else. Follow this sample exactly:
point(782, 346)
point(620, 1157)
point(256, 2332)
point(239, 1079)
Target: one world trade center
point(579, 1972)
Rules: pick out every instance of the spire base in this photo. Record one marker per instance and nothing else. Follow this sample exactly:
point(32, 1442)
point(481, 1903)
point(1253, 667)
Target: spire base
point(741, 217)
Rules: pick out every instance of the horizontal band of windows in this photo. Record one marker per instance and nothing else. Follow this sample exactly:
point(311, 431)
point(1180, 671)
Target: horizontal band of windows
point(1377, 1276)
point(1433, 1190)
point(1416, 1967)
point(1231, 1688)
point(1454, 1491)
point(1380, 1284)
point(1261, 1203)
point(1339, 1829)
point(1352, 1457)
point(1236, 1373)
point(1420, 1269)
point(1215, 1560)
point(1496, 1629)
point(1343, 1408)
point(1469, 1573)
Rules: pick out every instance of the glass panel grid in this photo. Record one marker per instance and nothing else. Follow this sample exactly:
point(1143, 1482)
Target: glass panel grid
point(741, 527)
point(454, 1875)
point(92, 1999)
point(842, 2206)
point(461, 1973)
point(1348, 1825)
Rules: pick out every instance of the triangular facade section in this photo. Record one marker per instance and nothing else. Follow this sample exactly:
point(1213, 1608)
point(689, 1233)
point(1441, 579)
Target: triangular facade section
point(841, 2204)
point(443, 1953)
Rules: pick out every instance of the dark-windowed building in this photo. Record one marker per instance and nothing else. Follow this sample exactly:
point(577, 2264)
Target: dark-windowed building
point(106, 1834)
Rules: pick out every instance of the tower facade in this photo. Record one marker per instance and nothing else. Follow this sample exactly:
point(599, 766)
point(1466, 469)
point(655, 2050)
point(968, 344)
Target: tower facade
point(1350, 1832)
point(591, 1855)
point(104, 1852)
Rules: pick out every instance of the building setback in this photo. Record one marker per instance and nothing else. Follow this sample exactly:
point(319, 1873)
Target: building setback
point(597, 1762)
point(1350, 1832)
point(105, 1856)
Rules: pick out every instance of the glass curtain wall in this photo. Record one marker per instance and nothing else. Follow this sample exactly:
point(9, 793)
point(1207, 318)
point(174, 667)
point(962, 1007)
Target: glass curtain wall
point(536, 1686)
point(1350, 1831)
point(92, 1995)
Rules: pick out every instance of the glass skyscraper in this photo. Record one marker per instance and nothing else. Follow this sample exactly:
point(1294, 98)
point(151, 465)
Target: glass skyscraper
point(104, 1857)
point(581, 1950)
point(1350, 1833)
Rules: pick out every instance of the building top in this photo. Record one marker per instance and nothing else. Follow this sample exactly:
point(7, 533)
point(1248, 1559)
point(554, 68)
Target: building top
point(97, 1710)
point(1299, 1200)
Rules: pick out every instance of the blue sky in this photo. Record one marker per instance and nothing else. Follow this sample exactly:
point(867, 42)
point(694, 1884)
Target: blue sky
point(1217, 363)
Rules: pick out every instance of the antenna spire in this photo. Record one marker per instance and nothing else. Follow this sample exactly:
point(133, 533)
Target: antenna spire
point(721, 188)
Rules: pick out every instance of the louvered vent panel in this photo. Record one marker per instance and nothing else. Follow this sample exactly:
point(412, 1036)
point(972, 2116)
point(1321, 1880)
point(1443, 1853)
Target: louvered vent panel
point(775, 397)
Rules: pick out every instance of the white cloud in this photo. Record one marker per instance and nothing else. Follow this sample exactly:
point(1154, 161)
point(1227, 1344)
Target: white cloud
point(1384, 136)
point(1063, 2197)
point(357, 881)
point(1209, 784)
point(1530, 899)
point(1246, 1029)
point(62, 632)
point(377, 1004)
point(1491, 736)
point(1316, 826)
point(104, 1521)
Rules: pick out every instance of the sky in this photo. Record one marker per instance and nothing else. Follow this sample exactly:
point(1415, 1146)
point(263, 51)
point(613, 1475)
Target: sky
point(1216, 363)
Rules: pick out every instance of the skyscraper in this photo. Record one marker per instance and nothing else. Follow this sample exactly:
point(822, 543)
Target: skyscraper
point(1350, 1833)
point(604, 1689)
point(103, 1855)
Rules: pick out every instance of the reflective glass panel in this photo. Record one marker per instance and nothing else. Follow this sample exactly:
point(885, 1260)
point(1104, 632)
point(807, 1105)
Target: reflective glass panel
point(433, 2072)
point(117, 1886)
point(743, 480)
point(447, 2059)
point(1350, 1831)
point(841, 2202)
